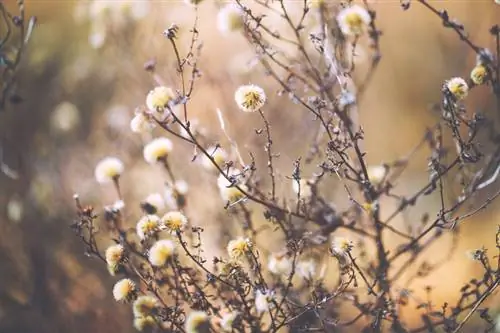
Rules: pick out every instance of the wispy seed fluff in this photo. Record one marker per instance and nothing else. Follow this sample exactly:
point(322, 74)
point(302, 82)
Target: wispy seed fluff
point(145, 305)
point(376, 173)
point(148, 226)
point(114, 257)
point(230, 18)
point(341, 246)
point(280, 264)
point(153, 203)
point(250, 98)
point(147, 323)
point(457, 87)
point(159, 97)
point(478, 74)
point(174, 221)
point(218, 154)
point(157, 150)
point(141, 124)
point(239, 247)
point(353, 20)
point(197, 322)
point(108, 170)
point(262, 301)
point(161, 252)
point(124, 290)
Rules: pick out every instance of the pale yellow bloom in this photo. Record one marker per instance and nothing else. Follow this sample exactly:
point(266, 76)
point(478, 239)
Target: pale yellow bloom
point(159, 97)
point(108, 169)
point(478, 74)
point(341, 245)
point(114, 254)
point(218, 154)
point(124, 290)
point(230, 18)
point(161, 252)
point(175, 221)
point(376, 174)
point(156, 201)
point(157, 149)
point(148, 226)
point(457, 87)
point(145, 305)
point(239, 247)
point(250, 98)
point(141, 124)
point(353, 20)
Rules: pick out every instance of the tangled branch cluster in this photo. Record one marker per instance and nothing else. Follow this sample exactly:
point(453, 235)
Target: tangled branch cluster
point(161, 263)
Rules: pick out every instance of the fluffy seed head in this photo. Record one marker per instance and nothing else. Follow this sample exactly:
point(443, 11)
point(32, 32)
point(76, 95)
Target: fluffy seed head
point(219, 155)
point(197, 322)
point(124, 290)
point(157, 149)
point(147, 323)
point(148, 226)
point(341, 245)
point(175, 221)
point(303, 186)
point(230, 18)
point(159, 97)
point(239, 247)
point(108, 169)
point(478, 74)
point(114, 254)
point(250, 98)
point(353, 20)
point(161, 252)
point(262, 301)
point(457, 87)
point(306, 269)
point(280, 264)
point(154, 202)
point(376, 173)
point(141, 124)
point(145, 306)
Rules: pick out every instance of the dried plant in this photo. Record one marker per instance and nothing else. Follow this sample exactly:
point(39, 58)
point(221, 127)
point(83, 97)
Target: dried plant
point(347, 268)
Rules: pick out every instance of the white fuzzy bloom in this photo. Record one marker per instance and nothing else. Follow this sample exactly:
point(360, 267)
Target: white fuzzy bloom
point(159, 97)
point(197, 322)
point(155, 200)
point(239, 247)
point(124, 290)
point(341, 246)
point(353, 20)
point(306, 269)
point(230, 18)
point(141, 124)
point(250, 98)
point(174, 222)
point(161, 252)
point(145, 305)
point(457, 87)
point(108, 169)
point(157, 149)
point(219, 155)
point(280, 264)
point(65, 117)
point(376, 173)
point(148, 226)
point(114, 254)
point(262, 301)
point(227, 321)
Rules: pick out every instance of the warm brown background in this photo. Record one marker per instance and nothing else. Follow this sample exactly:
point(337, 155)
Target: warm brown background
point(47, 285)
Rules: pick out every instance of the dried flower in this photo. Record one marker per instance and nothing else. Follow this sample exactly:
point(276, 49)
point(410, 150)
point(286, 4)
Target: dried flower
point(124, 290)
point(161, 252)
point(227, 321)
point(341, 246)
point(174, 221)
point(153, 203)
point(157, 149)
point(239, 247)
point(306, 269)
point(141, 123)
point(159, 97)
point(262, 301)
point(218, 154)
point(376, 173)
point(144, 323)
point(114, 257)
point(250, 98)
point(352, 20)
point(108, 170)
point(479, 74)
point(148, 226)
point(280, 264)
point(457, 87)
point(197, 322)
point(230, 18)
point(145, 305)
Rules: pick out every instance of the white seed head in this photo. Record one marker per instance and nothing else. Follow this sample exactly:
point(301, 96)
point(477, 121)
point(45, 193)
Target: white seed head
point(239, 247)
point(141, 124)
point(341, 246)
point(218, 154)
point(457, 87)
point(155, 200)
point(114, 254)
point(161, 252)
point(108, 169)
point(353, 20)
point(280, 264)
point(148, 226)
point(159, 97)
point(262, 301)
point(174, 221)
point(250, 98)
point(145, 305)
point(124, 290)
point(157, 149)
point(230, 18)
point(376, 173)
point(478, 74)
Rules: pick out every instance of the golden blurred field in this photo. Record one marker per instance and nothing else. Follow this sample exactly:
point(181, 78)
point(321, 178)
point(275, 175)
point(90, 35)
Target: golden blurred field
point(48, 285)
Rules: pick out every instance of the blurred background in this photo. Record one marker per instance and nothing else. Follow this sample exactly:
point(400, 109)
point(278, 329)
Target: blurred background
point(82, 78)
